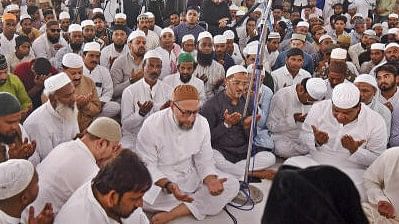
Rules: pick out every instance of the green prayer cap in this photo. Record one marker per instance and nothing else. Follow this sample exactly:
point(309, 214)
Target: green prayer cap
point(185, 57)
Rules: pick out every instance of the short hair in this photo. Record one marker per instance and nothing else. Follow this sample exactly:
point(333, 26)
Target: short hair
point(173, 13)
point(296, 21)
point(51, 23)
point(283, 24)
point(47, 12)
point(192, 8)
point(340, 17)
point(32, 9)
point(388, 67)
point(98, 16)
point(303, 83)
point(278, 6)
point(251, 19)
point(41, 66)
point(119, 27)
point(123, 174)
point(294, 52)
point(21, 39)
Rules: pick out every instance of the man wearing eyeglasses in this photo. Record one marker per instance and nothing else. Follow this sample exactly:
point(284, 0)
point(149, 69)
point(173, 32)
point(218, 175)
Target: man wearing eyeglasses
point(175, 143)
point(47, 45)
point(230, 129)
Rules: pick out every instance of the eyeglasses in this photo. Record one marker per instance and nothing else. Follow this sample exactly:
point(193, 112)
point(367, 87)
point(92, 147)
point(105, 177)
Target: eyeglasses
point(187, 113)
point(55, 30)
point(238, 83)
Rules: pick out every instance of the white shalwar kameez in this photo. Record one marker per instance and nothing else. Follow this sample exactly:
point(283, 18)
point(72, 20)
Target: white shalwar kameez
point(282, 77)
point(285, 131)
point(185, 158)
point(105, 89)
point(174, 80)
point(381, 181)
point(65, 169)
point(169, 60)
point(83, 208)
point(109, 54)
point(369, 126)
point(140, 91)
point(49, 129)
point(215, 72)
point(44, 49)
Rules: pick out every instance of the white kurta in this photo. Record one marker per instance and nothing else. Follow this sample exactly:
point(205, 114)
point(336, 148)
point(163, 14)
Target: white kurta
point(330, 89)
point(383, 110)
point(64, 170)
point(270, 57)
point(285, 131)
point(140, 91)
point(6, 219)
point(282, 77)
point(368, 126)
point(381, 179)
point(152, 40)
point(83, 208)
point(108, 53)
point(49, 129)
point(174, 80)
point(44, 49)
point(354, 51)
point(237, 57)
point(215, 72)
point(185, 158)
point(169, 60)
point(7, 47)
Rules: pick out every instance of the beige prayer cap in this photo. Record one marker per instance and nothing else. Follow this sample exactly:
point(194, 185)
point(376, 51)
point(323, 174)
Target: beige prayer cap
point(185, 92)
point(105, 128)
point(15, 177)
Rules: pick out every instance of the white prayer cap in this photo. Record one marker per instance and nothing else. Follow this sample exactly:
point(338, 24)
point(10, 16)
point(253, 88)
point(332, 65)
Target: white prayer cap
point(98, 10)
point(92, 46)
point(391, 45)
point(323, 37)
point(298, 36)
point(150, 15)
point(393, 15)
point(56, 82)
point(303, 23)
point(377, 46)
point(72, 60)
point(274, 35)
point(370, 32)
point(317, 88)
point(151, 54)
point(204, 34)
point(74, 28)
point(235, 69)
point(229, 34)
point(376, 25)
point(234, 7)
point(15, 177)
point(120, 16)
point(250, 69)
point(134, 34)
point(167, 30)
point(252, 50)
point(106, 128)
point(12, 7)
point(366, 78)
point(219, 39)
point(25, 16)
point(338, 53)
point(64, 15)
point(187, 37)
point(258, 10)
point(87, 22)
point(357, 15)
point(345, 95)
point(393, 31)
point(352, 6)
point(240, 13)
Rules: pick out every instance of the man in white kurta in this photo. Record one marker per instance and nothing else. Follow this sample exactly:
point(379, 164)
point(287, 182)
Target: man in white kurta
point(288, 110)
point(73, 163)
point(381, 181)
point(168, 51)
point(344, 133)
point(55, 121)
point(143, 98)
point(118, 47)
point(101, 78)
point(175, 143)
point(151, 37)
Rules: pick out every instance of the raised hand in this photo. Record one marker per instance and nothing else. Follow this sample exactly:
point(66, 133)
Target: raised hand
point(145, 107)
point(23, 150)
point(231, 119)
point(248, 120)
point(215, 185)
point(386, 209)
point(351, 144)
point(179, 195)
point(46, 216)
point(299, 117)
point(203, 77)
point(320, 136)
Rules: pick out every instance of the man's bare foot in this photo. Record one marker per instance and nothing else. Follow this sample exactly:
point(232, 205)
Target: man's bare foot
point(162, 218)
point(267, 174)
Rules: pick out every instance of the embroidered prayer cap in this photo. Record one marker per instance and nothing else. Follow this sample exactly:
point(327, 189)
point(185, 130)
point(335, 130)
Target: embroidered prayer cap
point(204, 34)
point(98, 10)
point(274, 35)
point(316, 88)
point(219, 39)
point(15, 177)
point(151, 54)
point(339, 53)
point(8, 16)
point(87, 22)
point(185, 92)
point(134, 34)
point(297, 36)
point(24, 16)
point(369, 33)
point(357, 15)
point(377, 46)
point(64, 15)
point(74, 28)
point(120, 16)
point(3, 62)
point(142, 16)
point(344, 39)
point(167, 30)
point(106, 128)
point(376, 25)
point(185, 57)
point(303, 23)
point(229, 34)
point(72, 60)
point(56, 82)
point(323, 37)
point(9, 104)
point(366, 78)
point(234, 7)
point(150, 15)
point(345, 95)
point(240, 13)
point(188, 37)
point(92, 46)
point(236, 69)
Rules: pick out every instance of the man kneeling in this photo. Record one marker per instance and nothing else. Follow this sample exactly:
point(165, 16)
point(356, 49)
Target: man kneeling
point(175, 143)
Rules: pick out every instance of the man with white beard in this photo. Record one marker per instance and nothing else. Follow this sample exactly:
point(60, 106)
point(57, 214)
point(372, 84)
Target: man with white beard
point(56, 121)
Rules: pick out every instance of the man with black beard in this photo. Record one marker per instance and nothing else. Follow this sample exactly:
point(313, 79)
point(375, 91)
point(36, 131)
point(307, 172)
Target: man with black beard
point(208, 70)
point(75, 44)
point(118, 47)
point(220, 43)
point(185, 66)
point(47, 45)
point(143, 98)
point(387, 79)
point(13, 140)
